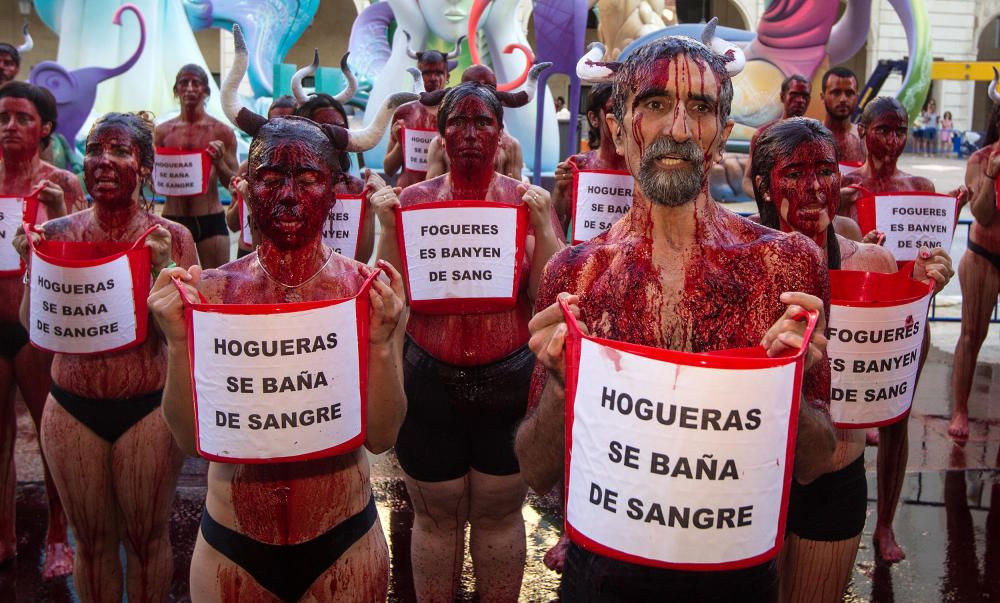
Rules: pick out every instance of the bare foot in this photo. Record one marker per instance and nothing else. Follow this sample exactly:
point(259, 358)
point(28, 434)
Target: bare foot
point(871, 437)
point(959, 426)
point(58, 561)
point(886, 549)
point(555, 558)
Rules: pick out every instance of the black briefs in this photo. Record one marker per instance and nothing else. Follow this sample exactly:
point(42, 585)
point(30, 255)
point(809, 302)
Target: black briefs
point(108, 418)
point(203, 227)
point(831, 508)
point(13, 337)
point(288, 570)
point(592, 578)
point(461, 417)
point(979, 250)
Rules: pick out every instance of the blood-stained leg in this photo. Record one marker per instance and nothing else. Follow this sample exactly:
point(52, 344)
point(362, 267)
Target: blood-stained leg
point(145, 463)
point(8, 475)
point(496, 536)
point(33, 370)
point(80, 462)
point(440, 511)
point(214, 251)
point(814, 571)
point(980, 284)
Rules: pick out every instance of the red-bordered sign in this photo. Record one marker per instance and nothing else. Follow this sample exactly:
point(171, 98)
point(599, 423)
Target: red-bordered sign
point(246, 233)
point(846, 167)
point(415, 146)
point(181, 172)
point(909, 219)
point(342, 228)
point(600, 198)
point(14, 211)
point(89, 297)
point(876, 328)
point(679, 460)
point(279, 382)
point(462, 256)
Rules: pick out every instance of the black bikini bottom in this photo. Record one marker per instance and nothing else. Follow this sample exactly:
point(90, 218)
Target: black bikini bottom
point(979, 250)
point(107, 418)
point(288, 570)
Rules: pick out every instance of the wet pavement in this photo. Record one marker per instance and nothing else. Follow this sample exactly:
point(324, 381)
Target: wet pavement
point(948, 524)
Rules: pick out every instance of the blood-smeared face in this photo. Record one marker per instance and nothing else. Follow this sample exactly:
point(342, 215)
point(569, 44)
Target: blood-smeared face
point(796, 99)
point(435, 75)
point(671, 132)
point(471, 134)
point(111, 165)
point(190, 88)
point(329, 115)
point(840, 95)
point(805, 188)
point(21, 128)
point(8, 68)
point(885, 135)
point(291, 191)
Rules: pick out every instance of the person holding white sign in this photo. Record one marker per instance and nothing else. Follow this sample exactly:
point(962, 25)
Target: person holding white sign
point(195, 130)
point(678, 272)
point(27, 121)
point(109, 450)
point(884, 127)
point(298, 529)
point(979, 269)
point(467, 373)
point(797, 187)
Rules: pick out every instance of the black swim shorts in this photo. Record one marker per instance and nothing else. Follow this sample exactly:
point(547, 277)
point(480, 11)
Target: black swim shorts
point(461, 417)
point(831, 508)
point(203, 227)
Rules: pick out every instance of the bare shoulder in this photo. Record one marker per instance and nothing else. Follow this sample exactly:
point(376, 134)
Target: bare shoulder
point(178, 233)
point(68, 227)
point(222, 130)
point(421, 192)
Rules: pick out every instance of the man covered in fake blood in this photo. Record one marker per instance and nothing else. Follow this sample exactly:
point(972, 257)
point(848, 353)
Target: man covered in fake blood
point(979, 269)
point(303, 530)
point(434, 69)
point(27, 121)
point(840, 94)
point(509, 159)
point(797, 185)
point(883, 128)
point(196, 130)
point(111, 455)
point(796, 91)
point(601, 156)
point(467, 375)
point(677, 272)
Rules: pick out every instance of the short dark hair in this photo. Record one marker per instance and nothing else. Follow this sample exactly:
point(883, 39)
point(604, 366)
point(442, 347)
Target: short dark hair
point(486, 93)
point(41, 98)
point(6, 48)
point(839, 72)
point(879, 106)
point(636, 66)
point(596, 100)
point(785, 85)
point(284, 102)
point(428, 57)
point(992, 127)
point(197, 70)
point(782, 139)
point(322, 100)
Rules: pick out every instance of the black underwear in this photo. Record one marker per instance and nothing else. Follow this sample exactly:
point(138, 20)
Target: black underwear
point(109, 419)
point(203, 227)
point(13, 337)
point(831, 508)
point(288, 570)
point(994, 258)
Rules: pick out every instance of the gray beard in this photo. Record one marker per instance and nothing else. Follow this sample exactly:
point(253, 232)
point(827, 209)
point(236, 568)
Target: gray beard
point(676, 187)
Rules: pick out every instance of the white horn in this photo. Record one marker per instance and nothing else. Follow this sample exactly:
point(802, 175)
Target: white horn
point(352, 83)
point(735, 59)
point(297, 91)
point(532, 84)
point(230, 97)
point(418, 80)
point(28, 42)
point(409, 51)
point(587, 69)
point(994, 93)
point(360, 141)
point(456, 51)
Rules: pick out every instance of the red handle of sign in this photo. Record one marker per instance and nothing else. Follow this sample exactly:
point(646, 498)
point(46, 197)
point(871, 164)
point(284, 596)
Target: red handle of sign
point(142, 238)
point(811, 317)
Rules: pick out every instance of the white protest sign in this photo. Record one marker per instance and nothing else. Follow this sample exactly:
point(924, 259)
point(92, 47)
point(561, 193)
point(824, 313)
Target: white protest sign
point(846, 167)
point(90, 307)
point(415, 146)
point(910, 221)
point(600, 198)
point(462, 255)
point(246, 234)
point(875, 333)
point(180, 173)
point(342, 229)
point(11, 216)
point(273, 384)
point(678, 460)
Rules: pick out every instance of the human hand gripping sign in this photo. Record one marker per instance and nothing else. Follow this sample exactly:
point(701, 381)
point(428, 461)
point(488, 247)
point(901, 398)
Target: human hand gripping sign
point(933, 264)
point(50, 195)
point(384, 199)
point(166, 304)
point(539, 204)
point(216, 150)
point(386, 305)
point(787, 332)
point(20, 242)
point(548, 334)
point(159, 243)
